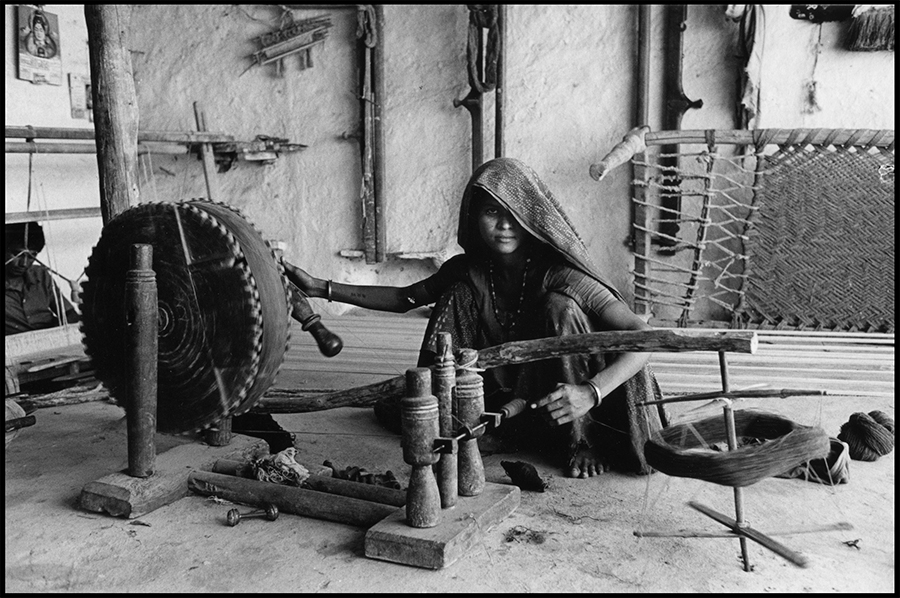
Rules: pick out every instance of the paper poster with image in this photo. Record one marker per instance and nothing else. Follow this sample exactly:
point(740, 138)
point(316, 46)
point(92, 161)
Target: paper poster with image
point(40, 59)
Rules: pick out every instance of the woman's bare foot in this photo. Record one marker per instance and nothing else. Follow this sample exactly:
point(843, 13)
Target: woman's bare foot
point(583, 463)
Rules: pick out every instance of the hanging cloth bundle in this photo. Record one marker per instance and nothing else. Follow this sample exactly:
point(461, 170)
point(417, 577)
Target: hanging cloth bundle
point(483, 16)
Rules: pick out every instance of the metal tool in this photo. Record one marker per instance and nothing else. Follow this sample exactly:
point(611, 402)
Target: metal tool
point(270, 513)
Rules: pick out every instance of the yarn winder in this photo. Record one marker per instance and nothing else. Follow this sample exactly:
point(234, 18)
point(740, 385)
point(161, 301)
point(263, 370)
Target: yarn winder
point(790, 445)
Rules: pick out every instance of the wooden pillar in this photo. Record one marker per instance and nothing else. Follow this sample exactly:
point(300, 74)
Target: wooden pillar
point(143, 349)
point(115, 107)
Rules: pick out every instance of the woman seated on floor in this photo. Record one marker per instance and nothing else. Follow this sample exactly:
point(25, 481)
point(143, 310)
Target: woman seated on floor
point(526, 274)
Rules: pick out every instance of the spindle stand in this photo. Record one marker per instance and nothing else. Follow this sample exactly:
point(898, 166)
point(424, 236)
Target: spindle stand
point(438, 525)
point(738, 527)
point(150, 481)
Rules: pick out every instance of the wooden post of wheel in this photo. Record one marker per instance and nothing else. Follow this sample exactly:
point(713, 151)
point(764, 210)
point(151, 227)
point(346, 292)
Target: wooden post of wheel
point(142, 322)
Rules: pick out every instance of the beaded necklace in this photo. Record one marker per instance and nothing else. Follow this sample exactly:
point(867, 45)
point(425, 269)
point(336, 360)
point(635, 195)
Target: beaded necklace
point(509, 324)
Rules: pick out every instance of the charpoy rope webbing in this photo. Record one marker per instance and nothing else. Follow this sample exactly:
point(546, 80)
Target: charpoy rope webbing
point(758, 225)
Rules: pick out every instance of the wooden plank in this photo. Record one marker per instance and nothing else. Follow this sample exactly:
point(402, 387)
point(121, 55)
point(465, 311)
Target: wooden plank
point(43, 342)
point(789, 372)
point(458, 529)
point(121, 495)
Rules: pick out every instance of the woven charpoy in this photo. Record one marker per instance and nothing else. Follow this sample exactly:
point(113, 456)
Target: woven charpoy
point(681, 450)
point(821, 246)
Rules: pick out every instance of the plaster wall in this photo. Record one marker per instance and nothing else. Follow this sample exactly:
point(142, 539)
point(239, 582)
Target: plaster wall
point(569, 99)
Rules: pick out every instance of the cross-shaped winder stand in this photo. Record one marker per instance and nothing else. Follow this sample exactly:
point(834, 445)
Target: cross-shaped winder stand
point(738, 527)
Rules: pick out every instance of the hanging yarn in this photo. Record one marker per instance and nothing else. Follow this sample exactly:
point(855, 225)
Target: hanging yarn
point(869, 435)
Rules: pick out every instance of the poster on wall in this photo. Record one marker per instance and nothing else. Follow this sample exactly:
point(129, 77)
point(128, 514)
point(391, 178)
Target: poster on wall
point(40, 59)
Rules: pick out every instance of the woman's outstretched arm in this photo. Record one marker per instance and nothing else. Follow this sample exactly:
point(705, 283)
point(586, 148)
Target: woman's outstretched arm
point(380, 298)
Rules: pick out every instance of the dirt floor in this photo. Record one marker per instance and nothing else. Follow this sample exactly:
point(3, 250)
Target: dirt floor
point(576, 537)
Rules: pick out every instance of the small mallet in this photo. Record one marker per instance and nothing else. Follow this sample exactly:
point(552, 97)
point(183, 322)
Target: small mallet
point(234, 516)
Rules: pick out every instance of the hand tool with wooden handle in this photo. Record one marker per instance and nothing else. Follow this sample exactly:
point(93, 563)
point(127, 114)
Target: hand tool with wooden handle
point(329, 343)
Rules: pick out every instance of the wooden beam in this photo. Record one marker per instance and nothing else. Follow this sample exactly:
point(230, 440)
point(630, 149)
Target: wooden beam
point(525, 351)
point(616, 342)
point(115, 108)
point(289, 499)
point(46, 216)
point(29, 132)
point(859, 137)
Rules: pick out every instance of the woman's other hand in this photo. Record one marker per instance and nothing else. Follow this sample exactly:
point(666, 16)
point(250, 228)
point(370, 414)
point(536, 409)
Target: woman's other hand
point(567, 403)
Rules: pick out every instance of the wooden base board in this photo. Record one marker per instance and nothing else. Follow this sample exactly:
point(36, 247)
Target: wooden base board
point(121, 495)
point(460, 527)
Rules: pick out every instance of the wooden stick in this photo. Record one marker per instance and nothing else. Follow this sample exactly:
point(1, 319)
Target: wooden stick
point(618, 341)
point(331, 485)
point(684, 533)
point(739, 394)
point(162, 136)
point(882, 138)
point(288, 499)
point(526, 351)
point(749, 532)
point(209, 161)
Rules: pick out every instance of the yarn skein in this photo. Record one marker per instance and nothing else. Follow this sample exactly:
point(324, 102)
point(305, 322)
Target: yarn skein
point(869, 436)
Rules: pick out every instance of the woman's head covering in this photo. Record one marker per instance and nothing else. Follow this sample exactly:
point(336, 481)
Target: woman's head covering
point(521, 191)
point(24, 235)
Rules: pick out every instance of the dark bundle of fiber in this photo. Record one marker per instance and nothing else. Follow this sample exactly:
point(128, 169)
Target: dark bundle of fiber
point(524, 475)
point(682, 450)
point(869, 435)
point(872, 29)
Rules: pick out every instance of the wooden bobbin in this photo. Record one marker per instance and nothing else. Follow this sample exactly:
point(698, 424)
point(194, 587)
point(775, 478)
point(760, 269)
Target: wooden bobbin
point(420, 427)
point(444, 389)
point(470, 407)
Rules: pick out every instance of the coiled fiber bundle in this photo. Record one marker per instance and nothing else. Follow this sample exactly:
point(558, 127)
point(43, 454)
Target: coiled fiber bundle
point(869, 435)
point(680, 450)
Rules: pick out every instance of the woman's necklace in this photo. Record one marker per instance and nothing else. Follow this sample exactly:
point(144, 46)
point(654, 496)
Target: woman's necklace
point(510, 323)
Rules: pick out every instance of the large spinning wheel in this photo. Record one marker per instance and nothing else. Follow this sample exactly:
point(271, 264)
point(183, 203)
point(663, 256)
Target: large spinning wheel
point(224, 310)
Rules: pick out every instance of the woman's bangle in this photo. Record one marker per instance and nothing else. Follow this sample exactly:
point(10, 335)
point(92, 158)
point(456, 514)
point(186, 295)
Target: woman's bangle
point(328, 291)
point(596, 390)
